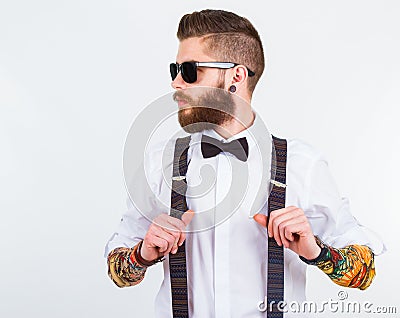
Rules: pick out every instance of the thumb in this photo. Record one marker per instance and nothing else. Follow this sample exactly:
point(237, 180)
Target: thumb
point(187, 217)
point(261, 219)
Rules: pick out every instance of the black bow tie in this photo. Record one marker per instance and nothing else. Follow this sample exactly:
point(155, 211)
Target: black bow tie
point(211, 147)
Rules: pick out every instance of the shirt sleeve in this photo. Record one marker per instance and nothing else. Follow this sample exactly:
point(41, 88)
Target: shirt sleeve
point(123, 269)
point(329, 213)
point(352, 266)
point(144, 203)
point(143, 182)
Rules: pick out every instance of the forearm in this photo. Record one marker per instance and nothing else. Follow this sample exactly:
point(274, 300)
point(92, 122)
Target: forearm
point(351, 266)
point(123, 268)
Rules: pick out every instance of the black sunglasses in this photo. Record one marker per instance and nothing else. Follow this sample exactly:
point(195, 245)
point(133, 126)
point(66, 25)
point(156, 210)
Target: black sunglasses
point(189, 69)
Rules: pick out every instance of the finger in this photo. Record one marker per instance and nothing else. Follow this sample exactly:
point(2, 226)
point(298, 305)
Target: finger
point(277, 237)
point(169, 223)
point(174, 244)
point(280, 222)
point(296, 228)
point(261, 219)
point(277, 218)
point(181, 225)
point(290, 215)
point(276, 213)
point(176, 223)
point(187, 217)
point(174, 248)
point(167, 236)
point(177, 228)
point(170, 228)
point(279, 212)
point(181, 238)
point(286, 230)
point(283, 238)
point(159, 242)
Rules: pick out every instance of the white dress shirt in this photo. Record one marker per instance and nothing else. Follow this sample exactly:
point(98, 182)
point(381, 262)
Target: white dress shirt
point(227, 263)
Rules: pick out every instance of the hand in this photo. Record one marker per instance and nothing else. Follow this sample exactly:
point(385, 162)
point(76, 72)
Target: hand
point(164, 235)
point(290, 227)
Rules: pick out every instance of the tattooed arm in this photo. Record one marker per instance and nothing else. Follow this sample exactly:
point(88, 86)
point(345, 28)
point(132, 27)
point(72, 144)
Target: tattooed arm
point(350, 266)
point(123, 267)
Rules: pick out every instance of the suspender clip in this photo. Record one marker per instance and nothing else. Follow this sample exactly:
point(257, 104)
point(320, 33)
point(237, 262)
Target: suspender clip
point(178, 178)
point(278, 184)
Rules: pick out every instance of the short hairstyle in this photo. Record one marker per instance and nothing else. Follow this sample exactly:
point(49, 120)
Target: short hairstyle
point(228, 37)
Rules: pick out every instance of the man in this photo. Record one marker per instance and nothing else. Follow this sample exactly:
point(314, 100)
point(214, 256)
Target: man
point(227, 263)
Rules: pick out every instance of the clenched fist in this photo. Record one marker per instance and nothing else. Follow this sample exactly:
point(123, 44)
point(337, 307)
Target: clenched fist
point(164, 235)
point(289, 227)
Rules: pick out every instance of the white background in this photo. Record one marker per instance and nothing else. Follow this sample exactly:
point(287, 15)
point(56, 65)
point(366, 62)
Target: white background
point(73, 75)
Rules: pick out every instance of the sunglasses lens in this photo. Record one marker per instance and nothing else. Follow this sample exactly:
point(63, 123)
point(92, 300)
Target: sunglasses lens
point(189, 72)
point(173, 69)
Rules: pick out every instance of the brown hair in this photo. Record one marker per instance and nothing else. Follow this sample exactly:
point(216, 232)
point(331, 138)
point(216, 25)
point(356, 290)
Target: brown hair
point(228, 37)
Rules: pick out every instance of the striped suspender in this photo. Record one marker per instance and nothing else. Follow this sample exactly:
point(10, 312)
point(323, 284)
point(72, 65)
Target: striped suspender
point(276, 200)
point(177, 262)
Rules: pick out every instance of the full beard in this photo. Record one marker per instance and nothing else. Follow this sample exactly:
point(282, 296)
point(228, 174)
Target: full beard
point(214, 107)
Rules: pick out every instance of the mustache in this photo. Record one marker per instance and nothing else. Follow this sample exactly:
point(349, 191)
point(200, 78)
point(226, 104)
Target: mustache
point(179, 95)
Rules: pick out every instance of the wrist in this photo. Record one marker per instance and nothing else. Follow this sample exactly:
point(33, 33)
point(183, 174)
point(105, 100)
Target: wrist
point(314, 251)
point(319, 254)
point(142, 261)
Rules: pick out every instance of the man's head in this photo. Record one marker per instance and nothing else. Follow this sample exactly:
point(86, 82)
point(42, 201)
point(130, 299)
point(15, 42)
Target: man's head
point(216, 36)
point(221, 36)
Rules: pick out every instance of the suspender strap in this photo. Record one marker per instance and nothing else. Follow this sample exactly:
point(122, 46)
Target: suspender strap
point(276, 200)
point(177, 262)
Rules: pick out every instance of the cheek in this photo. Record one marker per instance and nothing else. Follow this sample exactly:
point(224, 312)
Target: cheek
point(221, 83)
point(210, 78)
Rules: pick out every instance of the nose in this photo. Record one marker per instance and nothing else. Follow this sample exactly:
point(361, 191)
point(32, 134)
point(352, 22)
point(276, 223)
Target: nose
point(178, 82)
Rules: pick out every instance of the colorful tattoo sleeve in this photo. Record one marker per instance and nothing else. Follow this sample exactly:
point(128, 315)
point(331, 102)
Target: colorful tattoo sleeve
point(123, 269)
point(351, 266)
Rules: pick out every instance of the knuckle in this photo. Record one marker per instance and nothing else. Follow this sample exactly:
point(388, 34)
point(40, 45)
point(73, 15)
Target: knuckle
point(165, 245)
point(176, 236)
point(181, 225)
point(155, 226)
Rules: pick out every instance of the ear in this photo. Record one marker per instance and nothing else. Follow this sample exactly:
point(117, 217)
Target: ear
point(239, 74)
